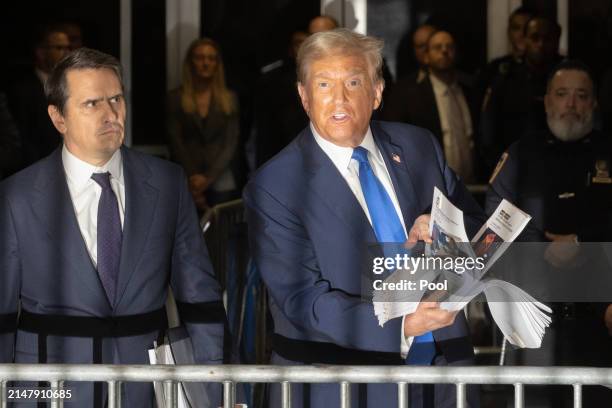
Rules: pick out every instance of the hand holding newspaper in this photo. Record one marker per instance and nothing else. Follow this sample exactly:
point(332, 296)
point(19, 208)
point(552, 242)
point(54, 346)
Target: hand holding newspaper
point(520, 317)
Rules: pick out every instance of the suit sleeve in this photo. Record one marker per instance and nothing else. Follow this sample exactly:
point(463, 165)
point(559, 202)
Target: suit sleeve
point(197, 292)
point(286, 259)
point(9, 281)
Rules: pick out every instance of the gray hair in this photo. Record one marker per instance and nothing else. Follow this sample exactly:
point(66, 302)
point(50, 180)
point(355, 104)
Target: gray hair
point(340, 42)
point(56, 87)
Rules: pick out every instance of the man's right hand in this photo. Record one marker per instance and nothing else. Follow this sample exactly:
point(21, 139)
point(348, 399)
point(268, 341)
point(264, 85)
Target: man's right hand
point(426, 318)
point(198, 183)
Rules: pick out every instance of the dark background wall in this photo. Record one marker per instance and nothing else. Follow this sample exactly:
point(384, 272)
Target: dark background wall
point(253, 33)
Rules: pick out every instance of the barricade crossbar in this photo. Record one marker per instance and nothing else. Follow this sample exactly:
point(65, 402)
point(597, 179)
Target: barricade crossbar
point(230, 375)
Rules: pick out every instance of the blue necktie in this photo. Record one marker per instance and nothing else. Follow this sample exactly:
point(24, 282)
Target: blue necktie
point(109, 236)
point(388, 229)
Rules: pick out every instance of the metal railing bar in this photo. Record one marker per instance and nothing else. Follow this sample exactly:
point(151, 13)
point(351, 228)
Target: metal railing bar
point(286, 394)
point(308, 374)
point(56, 402)
point(345, 394)
point(114, 394)
point(171, 393)
point(461, 395)
point(577, 395)
point(402, 395)
point(3, 403)
point(519, 395)
point(229, 394)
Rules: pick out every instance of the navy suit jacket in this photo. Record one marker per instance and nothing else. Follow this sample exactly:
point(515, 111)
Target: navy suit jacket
point(307, 233)
point(45, 266)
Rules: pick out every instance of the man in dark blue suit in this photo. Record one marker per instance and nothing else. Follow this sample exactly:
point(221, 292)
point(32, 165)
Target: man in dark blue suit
point(311, 212)
point(91, 237)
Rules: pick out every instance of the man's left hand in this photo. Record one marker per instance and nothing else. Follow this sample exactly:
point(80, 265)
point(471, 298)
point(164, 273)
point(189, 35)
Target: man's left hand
point(562, 250)
point(420, 230)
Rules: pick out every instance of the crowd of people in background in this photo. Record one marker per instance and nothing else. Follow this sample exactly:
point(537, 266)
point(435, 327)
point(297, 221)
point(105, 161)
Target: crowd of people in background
point(475, 116)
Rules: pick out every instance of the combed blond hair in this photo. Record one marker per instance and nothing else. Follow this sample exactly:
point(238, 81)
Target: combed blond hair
point(221, 96)
point(340, 42)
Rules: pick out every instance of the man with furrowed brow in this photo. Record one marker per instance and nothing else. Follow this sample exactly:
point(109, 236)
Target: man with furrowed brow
point(91, 237)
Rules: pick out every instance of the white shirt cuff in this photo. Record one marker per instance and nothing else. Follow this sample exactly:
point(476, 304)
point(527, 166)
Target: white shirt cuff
point(405, 342)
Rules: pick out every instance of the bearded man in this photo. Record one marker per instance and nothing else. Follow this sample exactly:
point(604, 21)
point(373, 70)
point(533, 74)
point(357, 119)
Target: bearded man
point(561, 177)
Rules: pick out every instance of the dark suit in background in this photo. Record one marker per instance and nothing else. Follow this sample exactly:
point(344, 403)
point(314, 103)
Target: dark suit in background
point(10, 145)
point(28, 105)
point(413, 101)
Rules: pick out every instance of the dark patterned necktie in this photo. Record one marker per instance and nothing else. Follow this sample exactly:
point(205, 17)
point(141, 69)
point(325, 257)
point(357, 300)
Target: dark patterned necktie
point(109, 236)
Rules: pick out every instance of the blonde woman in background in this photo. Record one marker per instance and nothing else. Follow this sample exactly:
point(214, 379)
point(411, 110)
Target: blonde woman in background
point(203, 125)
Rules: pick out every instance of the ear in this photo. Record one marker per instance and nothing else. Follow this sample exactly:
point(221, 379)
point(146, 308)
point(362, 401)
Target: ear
point(303, 97)
point(57, 118)
point(379, 86)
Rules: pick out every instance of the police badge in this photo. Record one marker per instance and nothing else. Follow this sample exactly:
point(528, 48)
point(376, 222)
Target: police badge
point(602, 172)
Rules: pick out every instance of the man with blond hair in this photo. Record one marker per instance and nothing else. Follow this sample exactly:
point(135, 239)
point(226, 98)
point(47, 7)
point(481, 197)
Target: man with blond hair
point(343, 183)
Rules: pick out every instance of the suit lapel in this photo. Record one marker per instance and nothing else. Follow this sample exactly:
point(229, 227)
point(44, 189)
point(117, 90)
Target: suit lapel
point(52, 206)
point(140, 205)
point(401, 176)
point(330, 188)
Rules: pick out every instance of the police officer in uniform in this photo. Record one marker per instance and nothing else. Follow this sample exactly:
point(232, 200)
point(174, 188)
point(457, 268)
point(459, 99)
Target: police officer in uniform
point(562, 178)
point(513, 103)
point(502, 65)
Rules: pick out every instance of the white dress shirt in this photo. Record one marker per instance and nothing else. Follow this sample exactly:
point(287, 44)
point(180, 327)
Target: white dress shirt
point(458, 143)
point(85, 194)
point(349, 169)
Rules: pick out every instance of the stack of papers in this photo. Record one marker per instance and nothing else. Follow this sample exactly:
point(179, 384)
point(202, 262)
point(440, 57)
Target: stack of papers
point(520, 317)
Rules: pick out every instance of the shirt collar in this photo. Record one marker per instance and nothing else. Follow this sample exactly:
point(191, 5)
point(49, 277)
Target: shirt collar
point(440, 87)
point(79, 172)
point(341, 156)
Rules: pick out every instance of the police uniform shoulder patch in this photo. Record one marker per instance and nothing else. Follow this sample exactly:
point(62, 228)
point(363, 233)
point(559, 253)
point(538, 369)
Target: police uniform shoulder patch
point(602, 172)
point(498, 167)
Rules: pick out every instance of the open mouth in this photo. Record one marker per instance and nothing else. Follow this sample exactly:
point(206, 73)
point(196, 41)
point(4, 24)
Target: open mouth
point(340, 117)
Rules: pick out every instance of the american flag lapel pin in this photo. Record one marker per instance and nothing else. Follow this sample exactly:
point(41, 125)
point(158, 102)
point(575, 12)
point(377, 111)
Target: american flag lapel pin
point(396, 158)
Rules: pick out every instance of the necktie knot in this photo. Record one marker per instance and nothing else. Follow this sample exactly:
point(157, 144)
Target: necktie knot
point(103, 179)
point(361, 155)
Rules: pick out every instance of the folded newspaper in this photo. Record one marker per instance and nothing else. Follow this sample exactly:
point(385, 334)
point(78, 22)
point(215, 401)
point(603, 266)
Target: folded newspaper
point(519, 316)
point(178, 349)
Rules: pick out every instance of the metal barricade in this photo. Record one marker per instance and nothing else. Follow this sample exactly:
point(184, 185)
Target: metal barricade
point(227, 227)
point(230, 375)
